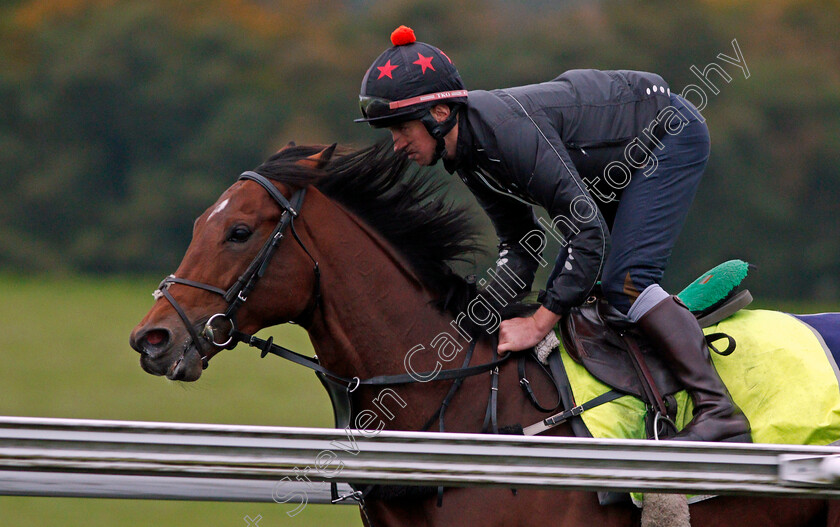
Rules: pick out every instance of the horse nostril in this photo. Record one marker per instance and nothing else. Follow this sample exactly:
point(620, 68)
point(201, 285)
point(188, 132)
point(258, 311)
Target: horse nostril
point(152, 341)
point(155, 337)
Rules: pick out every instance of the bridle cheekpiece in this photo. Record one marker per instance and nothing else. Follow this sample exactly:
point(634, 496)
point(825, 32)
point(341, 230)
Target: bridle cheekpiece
point(237, 294)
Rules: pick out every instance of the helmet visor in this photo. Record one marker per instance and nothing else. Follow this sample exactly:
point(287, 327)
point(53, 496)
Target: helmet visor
point(374, 107)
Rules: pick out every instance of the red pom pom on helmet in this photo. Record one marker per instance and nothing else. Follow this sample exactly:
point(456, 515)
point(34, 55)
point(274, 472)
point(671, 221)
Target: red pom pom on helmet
point(403, 35)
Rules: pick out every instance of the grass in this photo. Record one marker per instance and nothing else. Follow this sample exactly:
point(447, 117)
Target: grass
point(64, 353)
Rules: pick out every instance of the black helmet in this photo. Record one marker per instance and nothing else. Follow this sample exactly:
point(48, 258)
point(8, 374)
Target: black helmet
point(406, 80)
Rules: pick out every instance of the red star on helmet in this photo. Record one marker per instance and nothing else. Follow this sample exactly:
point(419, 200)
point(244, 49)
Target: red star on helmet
point(424, 62)
point(386, 70)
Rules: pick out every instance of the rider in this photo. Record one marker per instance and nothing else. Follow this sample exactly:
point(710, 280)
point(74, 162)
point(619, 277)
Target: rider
point(615, 159)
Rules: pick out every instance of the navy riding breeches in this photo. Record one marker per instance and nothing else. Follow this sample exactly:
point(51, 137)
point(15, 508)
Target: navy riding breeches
point(653, 207)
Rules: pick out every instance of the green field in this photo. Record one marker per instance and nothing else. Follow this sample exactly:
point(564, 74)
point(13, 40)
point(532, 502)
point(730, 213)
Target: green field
point(65, 353)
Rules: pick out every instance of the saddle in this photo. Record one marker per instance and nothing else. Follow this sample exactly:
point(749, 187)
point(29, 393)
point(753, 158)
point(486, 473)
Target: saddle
point(614, 351)
point(618, 354)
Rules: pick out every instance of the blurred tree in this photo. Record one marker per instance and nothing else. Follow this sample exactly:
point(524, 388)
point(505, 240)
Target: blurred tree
point(121, 121)
point(126, 120)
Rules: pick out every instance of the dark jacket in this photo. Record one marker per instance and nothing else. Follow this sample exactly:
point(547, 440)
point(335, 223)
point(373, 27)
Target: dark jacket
point(545, 144)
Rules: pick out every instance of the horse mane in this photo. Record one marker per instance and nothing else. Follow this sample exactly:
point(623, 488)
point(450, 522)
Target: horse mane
point(404, 206)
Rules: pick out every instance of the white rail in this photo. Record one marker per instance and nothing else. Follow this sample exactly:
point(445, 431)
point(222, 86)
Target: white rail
point(97, 485)
point(75, 457)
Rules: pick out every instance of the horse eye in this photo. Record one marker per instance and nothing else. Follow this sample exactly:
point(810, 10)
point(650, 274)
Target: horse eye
point(239, 234)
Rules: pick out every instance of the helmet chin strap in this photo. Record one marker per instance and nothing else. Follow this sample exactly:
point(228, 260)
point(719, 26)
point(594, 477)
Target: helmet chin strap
point(438, 130)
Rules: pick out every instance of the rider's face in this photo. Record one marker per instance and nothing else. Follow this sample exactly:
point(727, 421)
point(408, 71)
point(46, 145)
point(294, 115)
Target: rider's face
point(412, 138)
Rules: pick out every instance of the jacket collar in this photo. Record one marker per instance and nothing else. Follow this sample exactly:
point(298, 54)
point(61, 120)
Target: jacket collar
point(463, 147)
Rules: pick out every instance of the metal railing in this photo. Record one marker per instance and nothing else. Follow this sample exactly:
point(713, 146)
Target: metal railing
point(78, 457)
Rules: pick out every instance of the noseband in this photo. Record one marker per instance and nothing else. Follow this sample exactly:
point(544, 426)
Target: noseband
point(238, 293)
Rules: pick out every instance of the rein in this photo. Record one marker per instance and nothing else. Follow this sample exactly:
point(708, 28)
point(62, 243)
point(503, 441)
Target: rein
point(238, 293)
point(352, 384)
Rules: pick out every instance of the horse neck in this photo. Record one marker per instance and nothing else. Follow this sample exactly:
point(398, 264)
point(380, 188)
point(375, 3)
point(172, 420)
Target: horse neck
point(374, 309)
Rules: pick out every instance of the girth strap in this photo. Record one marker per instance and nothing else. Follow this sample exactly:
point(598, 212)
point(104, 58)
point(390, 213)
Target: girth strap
point(611, 395)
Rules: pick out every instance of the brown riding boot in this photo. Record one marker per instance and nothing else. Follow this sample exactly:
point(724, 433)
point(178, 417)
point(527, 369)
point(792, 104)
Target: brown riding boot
point(677, 336)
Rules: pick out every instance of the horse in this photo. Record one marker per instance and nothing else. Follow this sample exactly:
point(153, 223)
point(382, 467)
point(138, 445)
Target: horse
point(358, 250)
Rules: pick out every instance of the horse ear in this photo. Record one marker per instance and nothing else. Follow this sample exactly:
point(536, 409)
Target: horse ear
point(290, 145)
point(320, 159)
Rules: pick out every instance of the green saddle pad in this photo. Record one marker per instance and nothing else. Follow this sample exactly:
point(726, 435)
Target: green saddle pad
point(714, 286)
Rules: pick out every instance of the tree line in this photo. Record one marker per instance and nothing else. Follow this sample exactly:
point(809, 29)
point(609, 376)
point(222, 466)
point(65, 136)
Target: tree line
point(121, 121)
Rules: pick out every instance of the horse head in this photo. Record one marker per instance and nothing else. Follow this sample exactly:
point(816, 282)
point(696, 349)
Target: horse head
point(213, 290)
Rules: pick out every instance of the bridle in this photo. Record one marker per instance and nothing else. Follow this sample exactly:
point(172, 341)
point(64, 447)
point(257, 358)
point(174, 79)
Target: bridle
point(339, 388)
point(237, 294)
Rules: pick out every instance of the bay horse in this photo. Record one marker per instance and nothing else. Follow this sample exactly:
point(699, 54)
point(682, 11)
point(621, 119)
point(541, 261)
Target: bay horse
point(362, 261)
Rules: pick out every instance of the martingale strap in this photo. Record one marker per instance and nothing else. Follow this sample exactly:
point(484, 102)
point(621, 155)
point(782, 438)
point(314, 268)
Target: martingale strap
point(529, 392)
point(452, 389)
point(490, 417)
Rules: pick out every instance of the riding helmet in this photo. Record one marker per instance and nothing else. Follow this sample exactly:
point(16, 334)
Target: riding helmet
point(406, 80)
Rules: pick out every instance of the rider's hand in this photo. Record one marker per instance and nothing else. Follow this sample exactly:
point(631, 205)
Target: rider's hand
point(518, 334)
